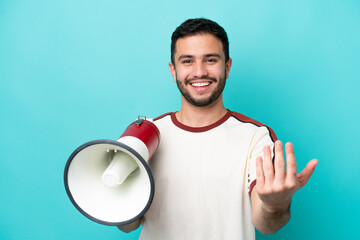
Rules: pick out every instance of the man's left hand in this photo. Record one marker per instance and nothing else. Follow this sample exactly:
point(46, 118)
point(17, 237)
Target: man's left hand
point(274, 185)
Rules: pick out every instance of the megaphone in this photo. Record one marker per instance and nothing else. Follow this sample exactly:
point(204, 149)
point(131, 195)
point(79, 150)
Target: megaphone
point(110, 181)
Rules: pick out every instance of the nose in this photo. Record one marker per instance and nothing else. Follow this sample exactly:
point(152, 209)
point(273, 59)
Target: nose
point(200, 69)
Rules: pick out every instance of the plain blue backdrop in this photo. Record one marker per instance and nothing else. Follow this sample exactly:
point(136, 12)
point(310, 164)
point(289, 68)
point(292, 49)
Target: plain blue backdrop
point(75, 71)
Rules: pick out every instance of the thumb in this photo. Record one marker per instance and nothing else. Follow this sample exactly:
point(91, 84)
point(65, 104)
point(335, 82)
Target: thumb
point(306, 173)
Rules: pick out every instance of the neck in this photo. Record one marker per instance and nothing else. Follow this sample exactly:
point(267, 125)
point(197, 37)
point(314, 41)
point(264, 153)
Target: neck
point(194, 116)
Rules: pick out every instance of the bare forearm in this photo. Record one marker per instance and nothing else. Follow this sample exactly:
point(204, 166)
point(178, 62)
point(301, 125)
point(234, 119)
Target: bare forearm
point(270, 221)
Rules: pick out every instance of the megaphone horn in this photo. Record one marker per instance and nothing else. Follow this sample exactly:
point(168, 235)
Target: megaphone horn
point(110, 181)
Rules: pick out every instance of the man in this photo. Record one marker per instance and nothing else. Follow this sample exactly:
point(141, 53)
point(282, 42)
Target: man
point(215, 176)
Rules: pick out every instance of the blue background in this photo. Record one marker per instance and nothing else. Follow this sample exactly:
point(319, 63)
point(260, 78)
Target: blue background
point(75, 71)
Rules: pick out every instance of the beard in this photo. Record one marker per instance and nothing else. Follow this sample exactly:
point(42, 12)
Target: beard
point(204, 101)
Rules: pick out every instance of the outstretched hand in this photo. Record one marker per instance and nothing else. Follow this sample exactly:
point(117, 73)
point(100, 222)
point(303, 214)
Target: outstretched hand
point(274, 185)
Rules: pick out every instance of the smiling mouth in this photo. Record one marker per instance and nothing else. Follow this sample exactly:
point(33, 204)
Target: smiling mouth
point(200, 84)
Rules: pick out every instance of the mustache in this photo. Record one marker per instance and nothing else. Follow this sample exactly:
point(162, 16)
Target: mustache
point(200, 78)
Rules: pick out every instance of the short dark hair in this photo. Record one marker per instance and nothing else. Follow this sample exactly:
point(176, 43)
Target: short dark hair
point(199, 26)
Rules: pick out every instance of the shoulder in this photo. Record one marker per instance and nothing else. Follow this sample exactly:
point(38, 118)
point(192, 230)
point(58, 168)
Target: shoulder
point(241, 118)
point(163, 116)
point(245, 119)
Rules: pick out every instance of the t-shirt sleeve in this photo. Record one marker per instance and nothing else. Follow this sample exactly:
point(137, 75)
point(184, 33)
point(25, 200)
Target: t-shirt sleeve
point(264, 136)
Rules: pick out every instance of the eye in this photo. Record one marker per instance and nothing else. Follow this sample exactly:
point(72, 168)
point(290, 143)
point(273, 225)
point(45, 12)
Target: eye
point(186, 61)
point(211, 60)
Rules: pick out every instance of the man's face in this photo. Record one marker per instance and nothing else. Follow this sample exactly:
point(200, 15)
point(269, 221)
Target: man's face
point(200, 70)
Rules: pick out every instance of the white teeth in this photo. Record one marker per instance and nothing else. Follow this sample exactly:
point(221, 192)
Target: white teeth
point(200, 84)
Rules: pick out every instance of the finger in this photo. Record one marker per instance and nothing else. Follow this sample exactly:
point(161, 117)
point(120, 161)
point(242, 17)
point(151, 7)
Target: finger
point(279, 162)
point(268, 165)
point(260, 178)
point(306, 173)
point(290, 162)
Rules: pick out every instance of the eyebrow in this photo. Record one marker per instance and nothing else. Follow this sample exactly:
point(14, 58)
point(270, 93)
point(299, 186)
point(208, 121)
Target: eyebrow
point(205, 56)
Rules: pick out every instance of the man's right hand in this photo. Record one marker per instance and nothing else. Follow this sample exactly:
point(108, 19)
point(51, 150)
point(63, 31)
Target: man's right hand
point(131, 226)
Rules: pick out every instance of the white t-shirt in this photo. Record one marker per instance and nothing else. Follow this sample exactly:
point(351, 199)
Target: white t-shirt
point(203, 179)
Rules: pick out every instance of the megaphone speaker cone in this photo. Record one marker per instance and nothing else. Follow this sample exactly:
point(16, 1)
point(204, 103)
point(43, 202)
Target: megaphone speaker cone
point(119, 169)
point(109, 181)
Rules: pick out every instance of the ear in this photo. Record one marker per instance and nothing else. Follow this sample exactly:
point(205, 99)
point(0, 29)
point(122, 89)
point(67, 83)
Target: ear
point(228, 67)
point(172, 70)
